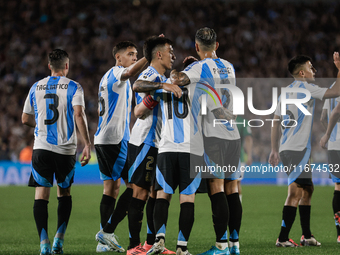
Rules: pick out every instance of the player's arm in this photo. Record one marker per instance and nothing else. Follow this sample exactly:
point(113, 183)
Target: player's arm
point(147, 86)
point(80, 118)
point(223, 113)
point(248, 148)
point(323, 118)
point(274, 157)
point(333, 119)
point(145, 106)
point(179, 78)
point(28, 119)
point(134, 69)
point(334, 91)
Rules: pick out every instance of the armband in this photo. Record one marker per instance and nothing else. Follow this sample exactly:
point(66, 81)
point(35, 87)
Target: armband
point(149, 102)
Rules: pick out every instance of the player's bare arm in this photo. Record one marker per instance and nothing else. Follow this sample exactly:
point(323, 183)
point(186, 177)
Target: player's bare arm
point(80, 118)
point(28, 120)
point(274, 157)
point(146, 86)
point(179, 78)
point(323, 119)
point(333, 119)
point(134, 69)
point(335, 90)
point(141, 111)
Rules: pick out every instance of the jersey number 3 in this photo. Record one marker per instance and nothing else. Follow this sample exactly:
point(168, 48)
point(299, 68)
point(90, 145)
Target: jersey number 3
point(53, 107)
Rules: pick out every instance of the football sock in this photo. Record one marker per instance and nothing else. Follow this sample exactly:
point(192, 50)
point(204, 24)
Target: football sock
point(40, 216)
point(288, 217)
point(186, 220)
point(336, 208)
point(107, 206)
point(150, 206)
point(160, 217)
point(64, 212)
point(304, 211)
point(120, 211)
point(221, 246)
point(135, 216)
point(235, 216)
point(220, 216)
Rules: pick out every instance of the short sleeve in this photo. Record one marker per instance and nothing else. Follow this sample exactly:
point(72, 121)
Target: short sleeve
point(193, 71)
point(316, 91)
point(78, 97)
point(28, 106)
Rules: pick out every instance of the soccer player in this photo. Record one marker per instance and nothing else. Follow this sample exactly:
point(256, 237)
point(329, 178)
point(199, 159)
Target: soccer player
point(331, 111)
point(294, 148)
point(143, 145)
point(221, 143)
point(54, 106)
point(111, 139)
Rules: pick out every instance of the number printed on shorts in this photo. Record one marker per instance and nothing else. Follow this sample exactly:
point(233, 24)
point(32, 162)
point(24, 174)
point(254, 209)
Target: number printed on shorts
point(151, 160)
point(53, 107)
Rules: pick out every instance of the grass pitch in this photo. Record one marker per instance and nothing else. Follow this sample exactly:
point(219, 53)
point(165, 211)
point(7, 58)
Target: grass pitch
point(262, 209)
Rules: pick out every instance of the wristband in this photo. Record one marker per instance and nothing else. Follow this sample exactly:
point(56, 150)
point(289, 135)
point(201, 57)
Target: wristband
point(149, 102)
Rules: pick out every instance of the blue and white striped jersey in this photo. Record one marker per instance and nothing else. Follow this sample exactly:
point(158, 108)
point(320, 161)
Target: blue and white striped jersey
point(297, 138)
point(148, 130)
point(334, 140)
point(51, 100)
point(114, 108)
point(207, 74)
point(182, 120)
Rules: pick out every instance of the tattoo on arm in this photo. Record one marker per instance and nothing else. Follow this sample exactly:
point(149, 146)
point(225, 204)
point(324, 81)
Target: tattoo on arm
point(219, 113)
point(145, 86)
point(180, 79)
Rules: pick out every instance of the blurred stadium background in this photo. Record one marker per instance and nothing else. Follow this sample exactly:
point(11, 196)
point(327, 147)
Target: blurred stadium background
point(257, 37)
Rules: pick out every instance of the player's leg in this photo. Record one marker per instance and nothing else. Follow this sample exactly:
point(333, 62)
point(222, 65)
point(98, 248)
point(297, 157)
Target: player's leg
point(336, 208)
point(305, 211)
point(43, 168)
point(112, 160)
point(289, 213)
point(160, 220)
point(150, 206)
point(334, 159)
point(189, 183)
point(165, 185)
point(64, 176)
point(40, 212)
point(142, 162)
point(235, 214)
point(135, 214)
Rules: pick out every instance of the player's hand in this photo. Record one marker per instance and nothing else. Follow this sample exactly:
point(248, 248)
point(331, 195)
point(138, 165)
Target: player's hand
point(161, 35)
point(336, 59)
point(86, 155)
point(190, 58)
point(173, 88)
point(274, 158)
point(324, 141)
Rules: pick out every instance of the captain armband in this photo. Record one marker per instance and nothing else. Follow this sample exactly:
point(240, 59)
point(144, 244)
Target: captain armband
point(149, 102)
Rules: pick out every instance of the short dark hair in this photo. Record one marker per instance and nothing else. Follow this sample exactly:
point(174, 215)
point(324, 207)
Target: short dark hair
point(206, 37)
point(296, 62)
point(122, 46)
point(152, 44)
point(57, 59)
